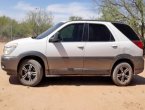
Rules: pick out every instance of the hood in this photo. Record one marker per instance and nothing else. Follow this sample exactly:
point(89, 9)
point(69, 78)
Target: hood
point(19, 41)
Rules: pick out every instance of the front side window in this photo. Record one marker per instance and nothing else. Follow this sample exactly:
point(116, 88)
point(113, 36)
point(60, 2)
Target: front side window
point(72, 33)
point(99, 33)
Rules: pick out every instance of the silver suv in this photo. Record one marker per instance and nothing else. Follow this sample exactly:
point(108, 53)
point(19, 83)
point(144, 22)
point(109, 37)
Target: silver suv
point(76, 48)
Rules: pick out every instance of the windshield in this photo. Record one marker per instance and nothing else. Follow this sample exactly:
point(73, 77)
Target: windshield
point(49, 31)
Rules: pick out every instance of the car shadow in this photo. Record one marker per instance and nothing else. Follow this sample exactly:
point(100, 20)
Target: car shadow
point(79, 81)
point(138, 80)
point(76, 81)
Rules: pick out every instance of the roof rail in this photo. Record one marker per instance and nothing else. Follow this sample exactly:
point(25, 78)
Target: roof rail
point(120, 22)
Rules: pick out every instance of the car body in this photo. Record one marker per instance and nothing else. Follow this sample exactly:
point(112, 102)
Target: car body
point(76, 48)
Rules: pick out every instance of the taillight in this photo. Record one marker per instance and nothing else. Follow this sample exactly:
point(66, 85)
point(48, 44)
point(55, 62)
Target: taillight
point(138, 43)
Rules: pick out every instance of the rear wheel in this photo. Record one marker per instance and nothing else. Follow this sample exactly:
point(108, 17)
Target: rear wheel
point(122, 74)
point(30, 72)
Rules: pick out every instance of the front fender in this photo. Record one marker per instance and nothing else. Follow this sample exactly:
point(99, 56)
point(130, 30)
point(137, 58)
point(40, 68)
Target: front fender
point(34, 53)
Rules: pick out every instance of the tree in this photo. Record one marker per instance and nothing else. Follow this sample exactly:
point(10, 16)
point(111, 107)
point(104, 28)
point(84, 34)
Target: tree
point(74, 18)
point(11, 29)
point(6, 25)
point(38, 21)
point(128, 11)
point(35, 23)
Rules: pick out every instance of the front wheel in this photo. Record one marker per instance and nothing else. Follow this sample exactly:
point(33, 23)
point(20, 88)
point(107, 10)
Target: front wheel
point(30, 72)
point(122, 74)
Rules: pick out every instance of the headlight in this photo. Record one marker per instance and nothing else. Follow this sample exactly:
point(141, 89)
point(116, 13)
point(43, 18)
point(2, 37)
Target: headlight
point(9, 49)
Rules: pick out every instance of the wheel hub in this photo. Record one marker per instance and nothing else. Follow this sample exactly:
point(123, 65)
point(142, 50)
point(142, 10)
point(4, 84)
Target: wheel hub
point(123, 74)
point(28, 72)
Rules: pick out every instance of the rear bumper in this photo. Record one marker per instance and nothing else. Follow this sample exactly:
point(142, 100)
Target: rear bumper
point(9, 64)
point(138, 65)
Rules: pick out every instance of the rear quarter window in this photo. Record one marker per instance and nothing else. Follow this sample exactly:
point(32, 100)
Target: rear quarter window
point(127, 31)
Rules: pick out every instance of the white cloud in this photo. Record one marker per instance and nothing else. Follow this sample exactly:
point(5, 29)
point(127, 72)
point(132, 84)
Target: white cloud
point(1, 13)
point(17, 16)
point(25, 6)
point(20, 10)
point(63, 11)
point(14, 15)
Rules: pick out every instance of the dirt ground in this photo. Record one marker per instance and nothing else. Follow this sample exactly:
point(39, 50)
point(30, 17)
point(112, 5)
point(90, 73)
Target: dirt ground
point(74, 93)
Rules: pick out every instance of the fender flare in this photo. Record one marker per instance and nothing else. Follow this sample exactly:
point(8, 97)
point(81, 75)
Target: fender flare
point(34, 53)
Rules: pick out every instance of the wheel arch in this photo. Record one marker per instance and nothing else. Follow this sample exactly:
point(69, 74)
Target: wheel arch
point(41, 58)
point(127, 60)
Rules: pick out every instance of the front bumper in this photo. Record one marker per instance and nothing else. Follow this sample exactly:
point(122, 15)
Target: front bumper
point(9, 64)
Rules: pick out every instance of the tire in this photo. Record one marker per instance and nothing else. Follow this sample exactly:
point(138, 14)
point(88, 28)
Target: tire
point(30, 72)
point(122, 74)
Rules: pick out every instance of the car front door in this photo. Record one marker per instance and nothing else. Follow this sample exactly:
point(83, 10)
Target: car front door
point(66, 56)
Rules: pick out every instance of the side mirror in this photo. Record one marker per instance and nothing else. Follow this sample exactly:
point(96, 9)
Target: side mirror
point(55, 38)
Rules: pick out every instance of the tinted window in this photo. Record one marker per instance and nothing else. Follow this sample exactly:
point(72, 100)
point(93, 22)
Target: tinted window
point(98, 32)
point(127, 31)
point(73, 32)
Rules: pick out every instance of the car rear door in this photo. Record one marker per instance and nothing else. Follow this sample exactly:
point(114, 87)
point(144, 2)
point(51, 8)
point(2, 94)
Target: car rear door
point(100, 50)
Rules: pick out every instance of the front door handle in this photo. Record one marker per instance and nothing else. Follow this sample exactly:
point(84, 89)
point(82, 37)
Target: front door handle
point(81, 47)
point(114, 46)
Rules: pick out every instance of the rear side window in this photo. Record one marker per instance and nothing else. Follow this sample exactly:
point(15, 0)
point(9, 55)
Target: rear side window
point(127, 31)
point(99, 33)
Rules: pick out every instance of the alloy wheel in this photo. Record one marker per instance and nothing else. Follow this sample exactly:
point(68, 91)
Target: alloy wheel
point(29, 73)
point(123, 74)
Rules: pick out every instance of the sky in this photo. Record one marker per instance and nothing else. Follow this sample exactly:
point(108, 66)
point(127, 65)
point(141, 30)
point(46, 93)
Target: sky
point(60, 9)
